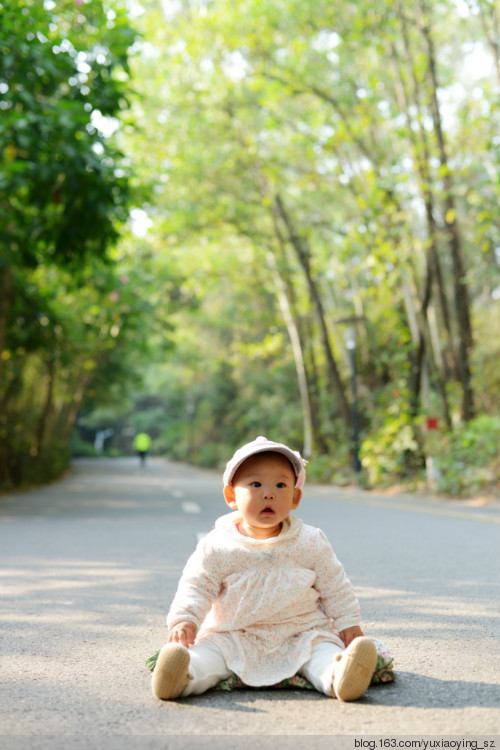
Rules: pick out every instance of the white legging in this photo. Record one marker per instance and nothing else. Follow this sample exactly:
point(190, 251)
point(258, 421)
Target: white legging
point(207, 667)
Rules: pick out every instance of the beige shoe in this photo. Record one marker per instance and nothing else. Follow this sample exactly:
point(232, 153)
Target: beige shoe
point(354, 669)
point(171, 673)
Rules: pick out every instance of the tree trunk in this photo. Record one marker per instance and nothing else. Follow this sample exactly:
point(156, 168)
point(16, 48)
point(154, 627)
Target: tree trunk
point(438, 363)
point(313, 380)
point(302, 253)
point(418, 353)
point(71, 412)
point(422, 159)
point(41, 430)
point(296, 343)
point(492, 35)
point(462, 301)
point(6, 292)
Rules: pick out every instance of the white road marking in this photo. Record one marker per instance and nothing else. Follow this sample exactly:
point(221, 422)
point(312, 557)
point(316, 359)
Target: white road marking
point(188, 507)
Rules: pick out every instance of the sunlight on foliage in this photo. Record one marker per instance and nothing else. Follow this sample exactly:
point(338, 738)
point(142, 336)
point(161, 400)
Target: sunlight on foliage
point(198, 200)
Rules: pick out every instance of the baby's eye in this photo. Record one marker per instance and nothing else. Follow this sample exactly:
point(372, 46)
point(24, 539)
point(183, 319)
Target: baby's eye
point(281, 485)
point(255, 484)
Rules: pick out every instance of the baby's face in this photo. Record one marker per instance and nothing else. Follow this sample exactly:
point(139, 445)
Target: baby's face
point(263, 490)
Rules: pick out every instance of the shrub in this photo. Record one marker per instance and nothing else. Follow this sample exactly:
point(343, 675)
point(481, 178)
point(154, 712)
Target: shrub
point(468, 459)
point(392, 452)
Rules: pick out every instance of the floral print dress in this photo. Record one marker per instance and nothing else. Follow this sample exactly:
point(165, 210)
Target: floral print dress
point(264, 603)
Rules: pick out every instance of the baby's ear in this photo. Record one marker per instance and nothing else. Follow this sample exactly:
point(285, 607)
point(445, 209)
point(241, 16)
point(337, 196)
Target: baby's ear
point(229, 496)
point(297, 494)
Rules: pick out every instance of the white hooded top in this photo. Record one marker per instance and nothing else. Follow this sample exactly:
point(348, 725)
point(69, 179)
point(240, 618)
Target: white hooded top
point(265, 602)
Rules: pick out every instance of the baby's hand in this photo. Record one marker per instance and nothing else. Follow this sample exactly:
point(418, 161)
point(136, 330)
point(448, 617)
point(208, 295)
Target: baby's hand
point(349, 634)
point(183, 633)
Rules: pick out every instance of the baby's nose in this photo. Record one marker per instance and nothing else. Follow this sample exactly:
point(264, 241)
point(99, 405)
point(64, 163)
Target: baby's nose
point(268, 492)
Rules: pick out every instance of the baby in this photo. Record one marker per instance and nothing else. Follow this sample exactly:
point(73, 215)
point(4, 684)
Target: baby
point(263, 596)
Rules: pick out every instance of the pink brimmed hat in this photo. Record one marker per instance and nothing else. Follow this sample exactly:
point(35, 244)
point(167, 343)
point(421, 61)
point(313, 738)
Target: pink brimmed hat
point(261, 445)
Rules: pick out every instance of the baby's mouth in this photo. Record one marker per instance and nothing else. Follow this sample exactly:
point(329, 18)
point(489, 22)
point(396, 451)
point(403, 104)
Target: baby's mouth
point(267, 511)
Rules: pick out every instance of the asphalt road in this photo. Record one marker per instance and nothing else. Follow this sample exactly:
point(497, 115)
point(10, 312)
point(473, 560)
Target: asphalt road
point(89, 565)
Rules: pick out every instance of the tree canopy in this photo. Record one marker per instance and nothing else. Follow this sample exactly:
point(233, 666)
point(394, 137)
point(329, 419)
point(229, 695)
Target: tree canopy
point(63, 191)
point(306, 169)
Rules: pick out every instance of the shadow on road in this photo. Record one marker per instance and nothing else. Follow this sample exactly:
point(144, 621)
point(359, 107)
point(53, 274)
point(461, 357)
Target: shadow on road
point(421, 691)
point(408, 689)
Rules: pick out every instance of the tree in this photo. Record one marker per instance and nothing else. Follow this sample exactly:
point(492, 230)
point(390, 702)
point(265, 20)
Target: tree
point(282, 128)
point(63, 192)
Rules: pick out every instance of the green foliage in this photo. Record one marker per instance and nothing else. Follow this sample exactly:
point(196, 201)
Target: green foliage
point(64, 189)
point(60, 184)
point(289, 158)
point(468, 459)
point(392, 451)
point(25, 469)
point(331, 109)
point(335, 468)
point(79, 448)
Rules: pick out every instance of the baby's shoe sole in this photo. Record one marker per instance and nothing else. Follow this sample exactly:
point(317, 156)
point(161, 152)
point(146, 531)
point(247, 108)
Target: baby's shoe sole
point(171, 673)
point(354, 670)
